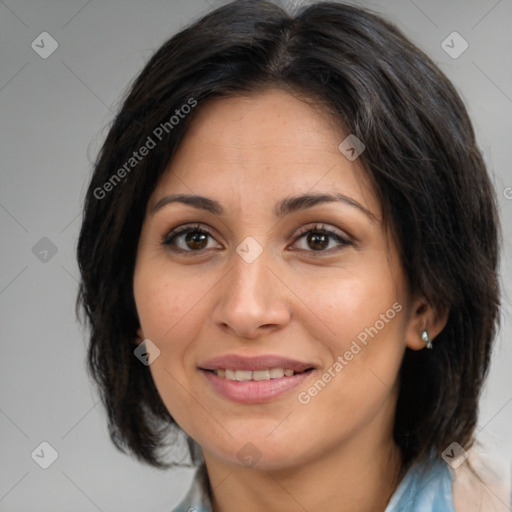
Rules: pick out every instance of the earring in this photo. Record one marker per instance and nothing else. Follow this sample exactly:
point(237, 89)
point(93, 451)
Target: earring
point(426, 338)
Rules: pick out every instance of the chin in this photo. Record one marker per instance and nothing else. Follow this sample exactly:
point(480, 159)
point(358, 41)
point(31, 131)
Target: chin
point(260, 452)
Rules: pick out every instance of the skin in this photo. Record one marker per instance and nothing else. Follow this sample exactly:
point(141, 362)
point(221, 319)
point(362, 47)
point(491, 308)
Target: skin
point(335, 452)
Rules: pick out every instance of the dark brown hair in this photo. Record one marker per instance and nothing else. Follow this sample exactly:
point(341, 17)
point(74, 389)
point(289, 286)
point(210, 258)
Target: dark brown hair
point(421, 156)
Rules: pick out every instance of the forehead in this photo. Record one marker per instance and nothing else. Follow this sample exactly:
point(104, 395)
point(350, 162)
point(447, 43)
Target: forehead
point(262, 147)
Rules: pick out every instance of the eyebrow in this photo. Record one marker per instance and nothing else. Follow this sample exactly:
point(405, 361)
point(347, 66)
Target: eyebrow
point(284, 207)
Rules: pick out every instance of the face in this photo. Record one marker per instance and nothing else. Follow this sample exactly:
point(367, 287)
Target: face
point(240, 279)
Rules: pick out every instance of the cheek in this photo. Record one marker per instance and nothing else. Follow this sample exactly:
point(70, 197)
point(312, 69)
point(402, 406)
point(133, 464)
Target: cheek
point(361, 324)
point(349, 305)
point(167, 303)
point(172, 309)
point(169, 311)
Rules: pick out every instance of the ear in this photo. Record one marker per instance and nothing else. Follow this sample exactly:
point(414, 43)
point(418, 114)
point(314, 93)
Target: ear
point(424, 317)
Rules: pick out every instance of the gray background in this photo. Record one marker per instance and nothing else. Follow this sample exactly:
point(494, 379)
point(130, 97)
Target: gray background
point(54, 116)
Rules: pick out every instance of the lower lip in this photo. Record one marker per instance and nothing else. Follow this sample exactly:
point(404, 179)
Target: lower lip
point(255, 391)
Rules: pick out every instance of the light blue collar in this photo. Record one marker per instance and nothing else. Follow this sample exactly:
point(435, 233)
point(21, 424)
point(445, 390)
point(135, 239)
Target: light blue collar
point(426, 487)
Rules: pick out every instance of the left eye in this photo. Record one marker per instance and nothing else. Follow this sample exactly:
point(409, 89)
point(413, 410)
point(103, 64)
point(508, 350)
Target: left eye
point(320, 239)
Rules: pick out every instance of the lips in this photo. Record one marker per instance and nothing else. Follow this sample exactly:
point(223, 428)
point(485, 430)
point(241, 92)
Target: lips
point(252, 380)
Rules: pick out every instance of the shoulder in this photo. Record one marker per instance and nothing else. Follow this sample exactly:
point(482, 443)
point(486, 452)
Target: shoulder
point(426, 487)
point(482, 481)
point(478, 480)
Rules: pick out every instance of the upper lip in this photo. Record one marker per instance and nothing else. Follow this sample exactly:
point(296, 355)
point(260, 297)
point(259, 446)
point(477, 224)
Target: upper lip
point(237, 362)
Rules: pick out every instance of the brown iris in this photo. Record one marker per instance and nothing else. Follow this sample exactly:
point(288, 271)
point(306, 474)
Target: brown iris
point(196, 241)
point(317, 241)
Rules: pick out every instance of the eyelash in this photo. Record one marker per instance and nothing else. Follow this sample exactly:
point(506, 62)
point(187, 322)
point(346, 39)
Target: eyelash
point(170, 238)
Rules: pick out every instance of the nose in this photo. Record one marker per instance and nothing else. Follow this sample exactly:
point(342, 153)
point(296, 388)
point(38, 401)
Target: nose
point(252, 301)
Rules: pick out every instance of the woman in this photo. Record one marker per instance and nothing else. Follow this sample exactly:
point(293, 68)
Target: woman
point(289, 253)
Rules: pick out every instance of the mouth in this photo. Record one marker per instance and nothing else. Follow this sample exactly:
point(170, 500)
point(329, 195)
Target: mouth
point(256, 375)
point(254, 380)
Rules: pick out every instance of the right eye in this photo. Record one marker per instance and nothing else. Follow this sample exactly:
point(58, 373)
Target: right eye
point(190, 239)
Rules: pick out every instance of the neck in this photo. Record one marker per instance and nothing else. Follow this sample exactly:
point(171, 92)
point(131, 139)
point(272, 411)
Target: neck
point(358, 476)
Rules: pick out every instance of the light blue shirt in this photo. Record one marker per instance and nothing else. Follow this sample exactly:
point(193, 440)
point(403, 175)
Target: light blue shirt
point(426, 487)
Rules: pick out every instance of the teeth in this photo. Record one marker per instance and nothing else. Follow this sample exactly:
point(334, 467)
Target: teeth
point(261, 375)
point(245, 375)
point(276, 373)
